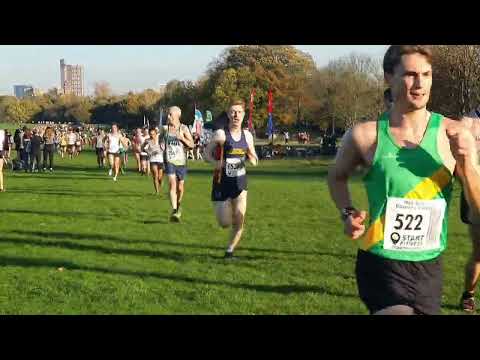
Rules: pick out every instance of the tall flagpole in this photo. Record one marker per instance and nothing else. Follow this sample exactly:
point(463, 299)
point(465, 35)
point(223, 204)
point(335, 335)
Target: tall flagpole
point(270, 111)
point(250, 115)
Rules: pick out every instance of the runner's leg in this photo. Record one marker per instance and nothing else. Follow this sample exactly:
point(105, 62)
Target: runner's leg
point(472, 269)
point(116, 164)
point(180, 191)
point(223, 212)
point(160, 177)
point(172, 182)
point(137, 159)
point(104, 157)
point(155, 178)
point(239, 209)
point(111, 163)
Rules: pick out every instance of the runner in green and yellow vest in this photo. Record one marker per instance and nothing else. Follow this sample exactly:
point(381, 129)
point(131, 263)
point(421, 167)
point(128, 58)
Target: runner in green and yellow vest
point(411, 188)
point(410, 156)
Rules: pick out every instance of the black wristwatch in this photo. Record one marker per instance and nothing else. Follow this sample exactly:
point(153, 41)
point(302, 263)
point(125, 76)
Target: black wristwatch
point(346, 212)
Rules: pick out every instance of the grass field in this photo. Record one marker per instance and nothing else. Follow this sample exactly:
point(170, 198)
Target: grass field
point(122, 256)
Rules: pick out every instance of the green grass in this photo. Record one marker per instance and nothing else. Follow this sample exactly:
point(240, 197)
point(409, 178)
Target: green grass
point(122, 256)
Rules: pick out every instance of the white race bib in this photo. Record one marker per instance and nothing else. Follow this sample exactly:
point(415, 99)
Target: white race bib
point(172, 153)
point(234, 167)
point(2, 139)
point(156, 156)
point(413, 225)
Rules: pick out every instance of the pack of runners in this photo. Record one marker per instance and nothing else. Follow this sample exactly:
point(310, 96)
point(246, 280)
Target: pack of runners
point(410, 157)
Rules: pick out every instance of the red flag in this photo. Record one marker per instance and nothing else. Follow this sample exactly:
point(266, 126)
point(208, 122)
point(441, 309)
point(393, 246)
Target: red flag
point(250, 123)
point(198, 127)
point(270, 101)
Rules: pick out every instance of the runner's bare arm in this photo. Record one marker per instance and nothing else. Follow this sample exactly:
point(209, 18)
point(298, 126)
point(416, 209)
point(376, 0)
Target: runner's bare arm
point(464, 151)
point(347, 159)
point(186, 137)
point(251, 153)
point(473, 125)
point(124, 142)
point(218, 138)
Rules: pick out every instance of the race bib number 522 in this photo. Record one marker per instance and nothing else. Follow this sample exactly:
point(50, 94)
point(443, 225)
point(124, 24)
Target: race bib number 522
point(413, 225)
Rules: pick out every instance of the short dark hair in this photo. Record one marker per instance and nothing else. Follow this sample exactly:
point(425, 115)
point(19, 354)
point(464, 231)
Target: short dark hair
point(394, 54)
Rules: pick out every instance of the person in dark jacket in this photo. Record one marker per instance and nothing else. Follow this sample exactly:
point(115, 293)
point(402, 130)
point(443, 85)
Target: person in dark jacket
point(27, 149)
point(18, 139)
point(35, 150)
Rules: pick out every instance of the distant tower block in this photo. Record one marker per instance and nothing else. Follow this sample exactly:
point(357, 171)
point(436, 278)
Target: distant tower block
point(72, 78)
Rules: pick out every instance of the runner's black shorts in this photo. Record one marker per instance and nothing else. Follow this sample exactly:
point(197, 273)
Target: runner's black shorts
point(383, 283)
point(99, 151)
point(160, 165)
point(221, 192)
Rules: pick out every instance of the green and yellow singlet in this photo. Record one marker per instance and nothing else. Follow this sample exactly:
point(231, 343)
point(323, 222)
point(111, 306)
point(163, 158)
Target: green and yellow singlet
point(409, 191)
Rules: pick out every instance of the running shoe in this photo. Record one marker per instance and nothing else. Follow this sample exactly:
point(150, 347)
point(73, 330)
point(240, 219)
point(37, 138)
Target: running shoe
point(229, 256)
point(114, 178)
point(467, 302)
point(174, 217)
point(110, 172)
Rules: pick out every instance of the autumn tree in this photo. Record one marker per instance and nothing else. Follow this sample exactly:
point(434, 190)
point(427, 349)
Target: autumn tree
point(183, 94)
point(284, 69)
point(5, 101)
point(21, 111)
